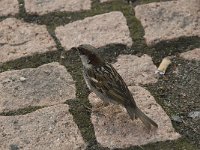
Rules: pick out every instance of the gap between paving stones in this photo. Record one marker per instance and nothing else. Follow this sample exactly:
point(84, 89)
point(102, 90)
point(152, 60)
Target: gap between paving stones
point(163, 49)
point(22, 111)
point(33, 61)
point(79, 106)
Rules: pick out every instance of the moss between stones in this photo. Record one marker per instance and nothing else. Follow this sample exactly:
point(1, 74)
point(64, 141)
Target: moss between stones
point(79, 107)
point(181, 144)
point(31, 61)
point(22, 111)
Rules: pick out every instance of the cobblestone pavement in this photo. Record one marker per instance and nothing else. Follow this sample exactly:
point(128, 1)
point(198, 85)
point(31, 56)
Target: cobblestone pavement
point(44, 102)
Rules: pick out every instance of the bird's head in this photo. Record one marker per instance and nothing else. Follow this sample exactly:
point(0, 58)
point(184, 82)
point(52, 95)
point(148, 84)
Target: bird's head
point(88, 56)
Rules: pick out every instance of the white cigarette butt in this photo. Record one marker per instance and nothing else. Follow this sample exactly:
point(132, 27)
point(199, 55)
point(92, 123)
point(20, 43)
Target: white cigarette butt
point(163, 66)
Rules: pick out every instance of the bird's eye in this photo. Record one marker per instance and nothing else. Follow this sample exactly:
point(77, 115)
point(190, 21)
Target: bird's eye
point(91, 58)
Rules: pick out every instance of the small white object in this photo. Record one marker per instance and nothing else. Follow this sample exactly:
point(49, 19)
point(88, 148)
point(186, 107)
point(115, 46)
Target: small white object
point(194, 114)
point(62, 57)
point(94, 80)
point(22, 79)
point(163, 66)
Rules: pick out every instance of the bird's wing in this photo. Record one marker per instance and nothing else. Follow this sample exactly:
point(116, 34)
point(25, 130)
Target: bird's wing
point(107, 81)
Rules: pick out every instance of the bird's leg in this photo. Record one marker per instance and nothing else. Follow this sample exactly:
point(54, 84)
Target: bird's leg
point(99, 106)
point(117, 109)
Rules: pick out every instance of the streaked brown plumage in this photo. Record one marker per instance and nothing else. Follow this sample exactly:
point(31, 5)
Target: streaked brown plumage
point(106, 83)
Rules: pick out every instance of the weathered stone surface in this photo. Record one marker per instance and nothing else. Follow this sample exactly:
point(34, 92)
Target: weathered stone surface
point(98, 31)
point(191, 55)
point(136, 70)
point(169, 20)
point(19, 39)
point(114, 128)
point(45, 6)
point(46, 85)
point(50, 128)
point(9, 7)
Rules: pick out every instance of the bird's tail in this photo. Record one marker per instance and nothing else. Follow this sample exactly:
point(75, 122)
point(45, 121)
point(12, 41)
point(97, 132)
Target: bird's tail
point(137, 113)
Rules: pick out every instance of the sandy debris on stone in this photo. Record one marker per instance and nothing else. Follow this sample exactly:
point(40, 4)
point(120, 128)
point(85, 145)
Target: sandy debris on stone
point(97, 31)
point(114, 129)
point(191, 55)
point(136, 70)
point(19, 39)
point(46, 85)
point(169, 20)
point(47, 6)
point(9, 7)
point(50, 128)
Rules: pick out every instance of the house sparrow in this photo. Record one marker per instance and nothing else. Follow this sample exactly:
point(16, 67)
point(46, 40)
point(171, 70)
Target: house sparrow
point(108, 85)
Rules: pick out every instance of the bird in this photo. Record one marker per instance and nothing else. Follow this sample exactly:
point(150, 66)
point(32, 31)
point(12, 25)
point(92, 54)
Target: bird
point(102, 79)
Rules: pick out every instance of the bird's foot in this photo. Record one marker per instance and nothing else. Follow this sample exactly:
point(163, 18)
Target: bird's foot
point(100, 106)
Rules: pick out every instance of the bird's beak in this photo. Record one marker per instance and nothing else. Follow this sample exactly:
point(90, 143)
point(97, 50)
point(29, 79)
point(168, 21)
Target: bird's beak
point(74, 48)
point(83, 49)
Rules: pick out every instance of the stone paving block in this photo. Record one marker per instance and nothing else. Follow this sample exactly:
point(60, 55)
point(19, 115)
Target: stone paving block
point(46, 85)
point(50, 128)
point(98, 31)
point(19, 39)
point(114, 129)
point(45, 6)
point(169, 20)
point(9, 7)
point(136, 70)
point(191, 55)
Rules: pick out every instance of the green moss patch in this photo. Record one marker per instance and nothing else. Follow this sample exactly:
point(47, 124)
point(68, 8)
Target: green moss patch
point(22, 111)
